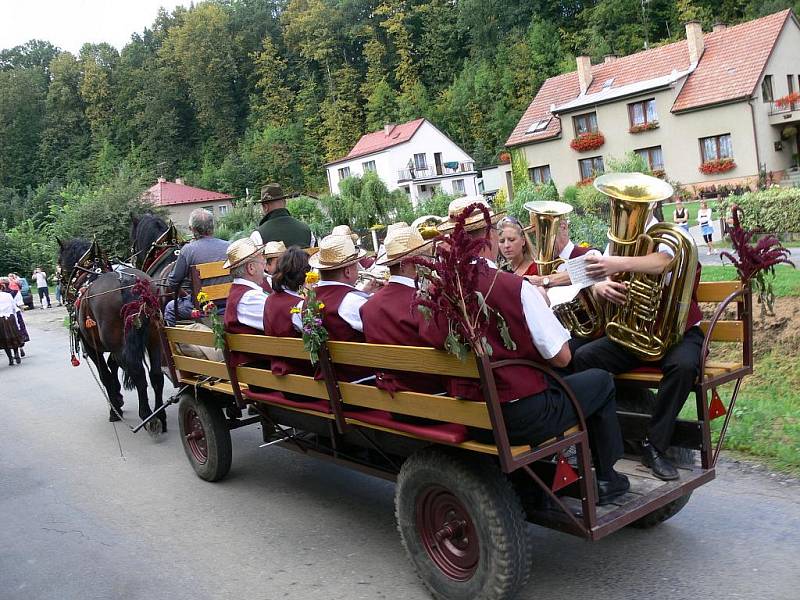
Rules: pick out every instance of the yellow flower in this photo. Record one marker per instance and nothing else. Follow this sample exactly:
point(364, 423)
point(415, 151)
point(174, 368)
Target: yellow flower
point(320, 305)
point(202, 297)
point(295, 310)
point(312, 278)
point(584, 244)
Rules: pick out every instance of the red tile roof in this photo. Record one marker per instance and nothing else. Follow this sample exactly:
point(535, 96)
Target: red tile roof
point(729, 69)
point(378, 140)
point(165, 193)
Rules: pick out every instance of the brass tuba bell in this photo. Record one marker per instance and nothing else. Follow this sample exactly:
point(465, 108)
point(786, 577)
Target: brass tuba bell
point(546, 217)
point(426, 225)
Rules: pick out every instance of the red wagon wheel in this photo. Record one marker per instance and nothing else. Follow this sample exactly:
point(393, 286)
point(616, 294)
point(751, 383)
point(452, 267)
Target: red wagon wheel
point(205, 435)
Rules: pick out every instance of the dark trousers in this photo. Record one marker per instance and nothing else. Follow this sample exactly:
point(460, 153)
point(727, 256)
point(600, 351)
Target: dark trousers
point(680, 367)
point(535, 419)
point(44, 293)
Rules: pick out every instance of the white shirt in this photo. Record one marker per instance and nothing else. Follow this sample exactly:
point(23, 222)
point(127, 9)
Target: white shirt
point(402, 280)
point(8, 306)
point(704, 216)
point(567, 251)
point(350, 308)
point(41, 279)
point(250, 310)
point(547, 332)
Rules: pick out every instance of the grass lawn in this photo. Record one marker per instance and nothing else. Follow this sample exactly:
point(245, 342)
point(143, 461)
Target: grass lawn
point(766, 419)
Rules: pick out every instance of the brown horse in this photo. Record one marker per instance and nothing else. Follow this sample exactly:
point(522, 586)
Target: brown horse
point(95, 297)
point(155, 246)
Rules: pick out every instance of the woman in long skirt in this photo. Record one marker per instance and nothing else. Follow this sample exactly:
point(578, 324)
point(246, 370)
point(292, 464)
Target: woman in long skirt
point(10, 338)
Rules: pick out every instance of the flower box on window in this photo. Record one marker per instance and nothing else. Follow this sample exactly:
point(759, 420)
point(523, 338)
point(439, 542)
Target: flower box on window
point(787, 100)
point(585, 181)
point(587, 141)
point(643, 127)
point(721, 165)
point(660, 173)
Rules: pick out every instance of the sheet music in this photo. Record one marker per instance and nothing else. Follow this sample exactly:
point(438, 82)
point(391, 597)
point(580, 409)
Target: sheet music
point(562, 293)
point(578, 275)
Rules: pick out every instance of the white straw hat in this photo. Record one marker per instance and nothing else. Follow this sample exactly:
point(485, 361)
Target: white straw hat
point(335, 252)
point(274, 249)
point(345, 230)
point(241, 251)
point(474, 220)
point(402, 242)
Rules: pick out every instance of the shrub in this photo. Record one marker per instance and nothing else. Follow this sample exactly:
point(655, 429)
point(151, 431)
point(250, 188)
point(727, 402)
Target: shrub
point(529, 192)
point(588, 228)
point(774, 210)
point(435, 205)
point(240, 221)
point(309, 211)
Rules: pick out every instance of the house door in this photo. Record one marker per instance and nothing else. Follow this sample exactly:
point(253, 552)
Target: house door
point(437, 159)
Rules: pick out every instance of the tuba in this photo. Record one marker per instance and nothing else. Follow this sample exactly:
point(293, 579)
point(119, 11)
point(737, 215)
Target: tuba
point(426, 225)
point(654, 316)
point(582, 315)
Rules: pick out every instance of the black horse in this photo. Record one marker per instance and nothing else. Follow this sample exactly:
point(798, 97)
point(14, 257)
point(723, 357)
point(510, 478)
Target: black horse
point(97, 316)
point(155, 246)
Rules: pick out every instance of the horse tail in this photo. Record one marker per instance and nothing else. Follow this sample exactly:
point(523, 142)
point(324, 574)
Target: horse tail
point(133, 344)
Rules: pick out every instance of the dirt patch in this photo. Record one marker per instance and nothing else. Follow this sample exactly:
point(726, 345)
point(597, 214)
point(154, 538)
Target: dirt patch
point(48, 319)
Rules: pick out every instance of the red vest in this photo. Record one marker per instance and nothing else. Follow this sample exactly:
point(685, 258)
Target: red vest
point(579, 251)
point(390, 318)
point(278, 323)
point(338, 329)
point(695, 314)
point(512, 382)
point(232, 324)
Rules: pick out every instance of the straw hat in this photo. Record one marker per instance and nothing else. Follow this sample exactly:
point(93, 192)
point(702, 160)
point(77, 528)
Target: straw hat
point(402, 242)
point(474, 221)
point(344, 230)
point(394, 226)
point(335, 252)
point(240, 251)
point(274, 249)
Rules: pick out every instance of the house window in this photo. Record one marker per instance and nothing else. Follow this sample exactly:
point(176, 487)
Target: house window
point(458, 187)
point(586, 123)
point(716, 147)
point(590, 167)
point(540, 174)
point(223, 208)
point(344, 173)
point(539, 125)
point(653, 156)
point(209, 209)
point(642, 113)
point(420, 162)
point(766, 89)
point(790, 83)
point(369, 166)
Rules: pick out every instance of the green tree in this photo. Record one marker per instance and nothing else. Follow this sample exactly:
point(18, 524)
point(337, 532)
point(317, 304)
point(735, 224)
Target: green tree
point(271, 104)
point(341, 114)
point(22, 101)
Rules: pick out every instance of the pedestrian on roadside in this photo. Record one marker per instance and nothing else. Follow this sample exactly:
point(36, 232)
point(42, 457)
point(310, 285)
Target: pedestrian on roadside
point(57, 281)
point(14, 286)
point(41, 284)
point(10, 339)
point(706, 226)
point(680, 216)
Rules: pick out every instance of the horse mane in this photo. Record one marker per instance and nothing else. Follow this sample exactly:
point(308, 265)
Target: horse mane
point(146, 230)
point(71, 252)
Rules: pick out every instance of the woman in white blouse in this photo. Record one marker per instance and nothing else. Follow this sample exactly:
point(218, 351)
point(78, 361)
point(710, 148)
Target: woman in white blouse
point(10, 339)
point(706, 227)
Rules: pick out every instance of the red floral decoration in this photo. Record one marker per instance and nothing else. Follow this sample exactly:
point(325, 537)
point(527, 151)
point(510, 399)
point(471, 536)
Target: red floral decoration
point(756, 262)
point(787, 100)
point(585, 181)
point(146, 306)
point(587, 141)
point(643, 127)
point(721, 165)
point(504, 157)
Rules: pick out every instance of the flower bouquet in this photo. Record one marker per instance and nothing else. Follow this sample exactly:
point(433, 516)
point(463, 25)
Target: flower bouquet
point(587, 141)
point(314, 333)
point(208, 310)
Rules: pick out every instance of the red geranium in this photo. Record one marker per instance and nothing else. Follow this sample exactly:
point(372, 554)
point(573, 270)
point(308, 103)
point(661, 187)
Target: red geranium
point(587, 141)
point(788, 100)
point(643, 127)
point(717, 166)
point(586, 181)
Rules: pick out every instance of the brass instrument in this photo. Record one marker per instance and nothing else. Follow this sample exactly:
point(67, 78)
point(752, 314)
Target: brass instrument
point(654, 316)
point(426, 225)
point(582, 315)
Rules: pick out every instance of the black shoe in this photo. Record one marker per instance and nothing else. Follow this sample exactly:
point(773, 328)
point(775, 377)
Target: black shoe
point(658, 463)
point(22, 353)
point(10, 362)
point(609, 490)
point(18, 359)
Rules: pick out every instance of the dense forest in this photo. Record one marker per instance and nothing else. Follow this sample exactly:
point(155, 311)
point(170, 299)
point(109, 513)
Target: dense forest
point(231, 93)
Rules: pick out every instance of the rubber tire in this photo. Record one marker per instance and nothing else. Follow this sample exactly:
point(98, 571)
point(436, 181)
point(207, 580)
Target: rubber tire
point(662, 514)
point(496, 511)
point(217, 433)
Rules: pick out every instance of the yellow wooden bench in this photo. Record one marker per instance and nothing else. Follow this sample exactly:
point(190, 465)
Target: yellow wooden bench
point(205, 271)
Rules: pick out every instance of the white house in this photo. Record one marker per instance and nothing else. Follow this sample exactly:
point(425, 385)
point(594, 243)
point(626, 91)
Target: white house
point(415, 157)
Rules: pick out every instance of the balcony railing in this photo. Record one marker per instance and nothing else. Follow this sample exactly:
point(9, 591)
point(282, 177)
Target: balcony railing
point(777, 109)
point(447, 168)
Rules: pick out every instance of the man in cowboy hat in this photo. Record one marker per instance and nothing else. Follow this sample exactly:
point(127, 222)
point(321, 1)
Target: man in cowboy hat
point(204, 248)
point(534, 409)
point(337, 263)
point(272, 252)
point(278, 224)
point(389, 316)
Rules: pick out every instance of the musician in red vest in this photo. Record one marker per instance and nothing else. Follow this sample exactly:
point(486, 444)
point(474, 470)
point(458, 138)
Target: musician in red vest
point(566, 250)
point(337, 263)
point(244, 311)
point(533, 407)
point(680, 366)
point(389, 316)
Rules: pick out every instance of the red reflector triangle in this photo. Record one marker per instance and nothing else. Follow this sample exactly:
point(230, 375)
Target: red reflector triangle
point(717, 408)
point(565, 474)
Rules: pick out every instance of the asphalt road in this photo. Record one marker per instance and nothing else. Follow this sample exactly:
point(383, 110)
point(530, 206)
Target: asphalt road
point(77, 521)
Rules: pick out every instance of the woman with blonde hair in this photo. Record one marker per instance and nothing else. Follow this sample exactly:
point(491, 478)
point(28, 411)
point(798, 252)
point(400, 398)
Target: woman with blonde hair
point(516, 247)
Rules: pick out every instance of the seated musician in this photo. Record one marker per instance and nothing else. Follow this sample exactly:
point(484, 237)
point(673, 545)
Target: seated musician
point(389, 316)
point(272, 252)
point(679, 366)
point(535, 409)
point(279, 321)
point(337, 263)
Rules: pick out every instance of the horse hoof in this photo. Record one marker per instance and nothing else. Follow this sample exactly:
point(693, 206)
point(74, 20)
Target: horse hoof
point(154, 428)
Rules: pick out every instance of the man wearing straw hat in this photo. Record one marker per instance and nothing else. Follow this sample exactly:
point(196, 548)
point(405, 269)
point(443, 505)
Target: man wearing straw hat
point(389, 316)
point(337, 263)
point(278, 224)
point(535, 409)
point(272, 252)
point(244, 312)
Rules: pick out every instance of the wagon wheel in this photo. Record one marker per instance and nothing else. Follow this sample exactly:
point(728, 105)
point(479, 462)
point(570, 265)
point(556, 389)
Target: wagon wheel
point(206, 437)
point(462, 526)
point(660, 515)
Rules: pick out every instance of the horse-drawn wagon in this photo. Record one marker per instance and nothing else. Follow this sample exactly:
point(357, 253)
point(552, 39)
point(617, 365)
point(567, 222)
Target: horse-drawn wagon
point(462, 505)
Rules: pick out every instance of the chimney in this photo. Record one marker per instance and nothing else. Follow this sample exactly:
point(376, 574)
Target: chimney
point(719, 26)
point(387, 129)
point(179, 180)
point(609, 58)
point(584, 72)
point(694, 37)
